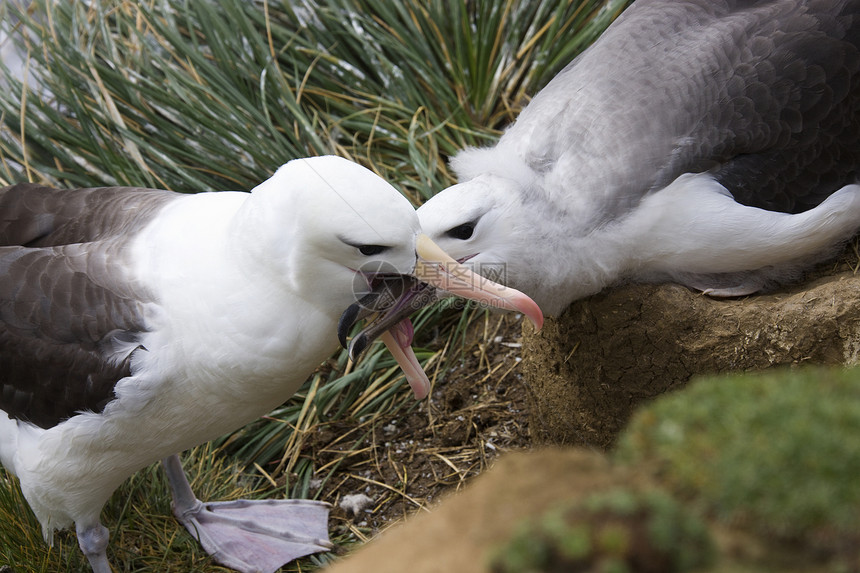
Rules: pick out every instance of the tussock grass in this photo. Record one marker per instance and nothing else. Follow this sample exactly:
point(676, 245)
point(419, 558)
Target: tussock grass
point(198, 96)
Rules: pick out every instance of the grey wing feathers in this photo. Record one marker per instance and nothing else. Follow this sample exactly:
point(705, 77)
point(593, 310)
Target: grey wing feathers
point(802, 87)
point(68, 323)
point(783, 132)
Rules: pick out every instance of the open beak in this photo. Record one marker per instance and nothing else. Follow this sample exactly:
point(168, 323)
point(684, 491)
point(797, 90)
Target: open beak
point(395, 297)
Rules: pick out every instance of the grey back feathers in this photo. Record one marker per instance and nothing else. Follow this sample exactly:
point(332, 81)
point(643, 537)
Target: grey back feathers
point(789, 110)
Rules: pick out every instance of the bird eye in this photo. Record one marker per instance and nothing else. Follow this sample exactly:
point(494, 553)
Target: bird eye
point(462, 232)
point(370, 250)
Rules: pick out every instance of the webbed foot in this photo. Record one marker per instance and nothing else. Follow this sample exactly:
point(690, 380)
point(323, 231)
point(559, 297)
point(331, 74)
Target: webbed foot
point(250, 536)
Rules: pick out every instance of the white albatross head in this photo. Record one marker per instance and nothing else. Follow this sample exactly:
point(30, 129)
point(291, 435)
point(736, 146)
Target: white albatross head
point(486, 224)
point(328, 223)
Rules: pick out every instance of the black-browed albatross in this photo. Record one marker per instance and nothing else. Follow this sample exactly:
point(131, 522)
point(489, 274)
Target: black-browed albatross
point(715, 143)
point(137, 323)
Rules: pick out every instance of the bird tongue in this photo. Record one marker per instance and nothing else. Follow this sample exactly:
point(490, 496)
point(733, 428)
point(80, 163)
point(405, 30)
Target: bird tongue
point(398, 340)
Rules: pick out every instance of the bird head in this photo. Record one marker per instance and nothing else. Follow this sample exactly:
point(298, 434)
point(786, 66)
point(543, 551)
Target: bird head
point(485, 224)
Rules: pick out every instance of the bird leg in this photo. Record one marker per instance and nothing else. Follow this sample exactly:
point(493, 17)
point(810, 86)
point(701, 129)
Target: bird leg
point(93, 540)
point(249, 535)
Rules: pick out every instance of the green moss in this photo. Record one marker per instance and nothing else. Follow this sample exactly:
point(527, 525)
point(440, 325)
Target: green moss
point(523, 554)
point(620, 530)
point(574, 542)
point(778, 451)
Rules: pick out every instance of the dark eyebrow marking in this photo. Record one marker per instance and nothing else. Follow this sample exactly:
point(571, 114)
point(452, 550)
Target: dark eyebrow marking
point(357, 245)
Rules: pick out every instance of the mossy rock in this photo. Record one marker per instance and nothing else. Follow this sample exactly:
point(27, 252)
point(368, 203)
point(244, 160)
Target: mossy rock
point(776, 453)
point(621, 531)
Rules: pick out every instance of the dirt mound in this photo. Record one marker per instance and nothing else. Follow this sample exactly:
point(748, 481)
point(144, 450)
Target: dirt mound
point(591, 367)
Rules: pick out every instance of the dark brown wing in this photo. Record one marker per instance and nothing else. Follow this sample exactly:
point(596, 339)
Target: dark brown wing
point(37, 216)
point(69, 319)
